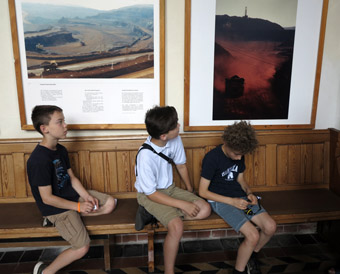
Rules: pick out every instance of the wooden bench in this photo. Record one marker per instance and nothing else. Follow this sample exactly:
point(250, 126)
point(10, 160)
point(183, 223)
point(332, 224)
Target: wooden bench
point(295, 171)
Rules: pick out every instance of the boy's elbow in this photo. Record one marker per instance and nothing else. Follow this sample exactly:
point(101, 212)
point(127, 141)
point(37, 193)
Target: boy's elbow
point(201, 193)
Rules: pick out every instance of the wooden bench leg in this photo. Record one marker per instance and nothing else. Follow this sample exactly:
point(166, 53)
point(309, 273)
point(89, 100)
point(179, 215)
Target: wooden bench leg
point(107, 257)
point(151, 253)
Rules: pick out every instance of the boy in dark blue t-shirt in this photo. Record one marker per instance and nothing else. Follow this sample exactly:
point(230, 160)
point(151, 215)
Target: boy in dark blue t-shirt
point(59, 194)
point(224, 186)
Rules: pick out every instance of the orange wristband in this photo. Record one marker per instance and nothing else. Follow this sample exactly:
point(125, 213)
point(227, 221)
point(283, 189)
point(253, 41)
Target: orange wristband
point(79, 207)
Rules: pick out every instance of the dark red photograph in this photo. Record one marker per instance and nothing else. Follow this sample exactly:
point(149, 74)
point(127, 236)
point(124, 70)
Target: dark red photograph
point(254, 44)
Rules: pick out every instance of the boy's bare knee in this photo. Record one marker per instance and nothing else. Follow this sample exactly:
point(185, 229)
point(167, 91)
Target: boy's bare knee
point(175, 227)
point(205, 209)
point(270, 228)
point(109, 205)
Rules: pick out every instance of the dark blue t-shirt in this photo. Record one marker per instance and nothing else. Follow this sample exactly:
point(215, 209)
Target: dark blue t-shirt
point(222, 172)
point(49, 167)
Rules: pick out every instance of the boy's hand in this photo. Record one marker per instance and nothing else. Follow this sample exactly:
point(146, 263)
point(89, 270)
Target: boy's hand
point(86, 207)
point(93, 201)
point(240, 203)
point(190, 209)
point(252, 198)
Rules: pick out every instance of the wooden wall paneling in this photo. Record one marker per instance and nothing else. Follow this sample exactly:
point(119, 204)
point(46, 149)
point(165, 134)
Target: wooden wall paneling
point(259, 167)
point(74, 162)
point(176, 178)
point(110, 172)
point(270, 165)
point(197, 158)
point(190, 164)
point(294, 164)
point(7, 173)
point(282, 165)
point(85, 168)
point(318, 165)
point(19, 175)
point(123, 171)
point(97, 171)
point(249, 172)
point(334, 149)
point(326, 160)
point(306, 163)
point(28, 187)
point(1, 180)
point(133, 154)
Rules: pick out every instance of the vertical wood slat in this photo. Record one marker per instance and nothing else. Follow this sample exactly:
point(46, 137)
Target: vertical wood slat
point(326, 160)
point(197, 158)
point(318, 165)
point(110, 172)
point(19, 175)
point(74, 162)
point(123, 171)
point(1, 180)
point(259, 167)
point(271, 165)
point(282, 165)
point(84, 168)
point(133, 154)
point(190, 164)
point(249, 172)
point(28, 187)
point(7, 173)
point(97, 171)
point(294, 164)
point(306, 163)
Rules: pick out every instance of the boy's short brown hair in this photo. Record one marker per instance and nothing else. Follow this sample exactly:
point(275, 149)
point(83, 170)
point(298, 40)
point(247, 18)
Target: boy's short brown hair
point(160, 120)
point(41, 115)
point(240, 137)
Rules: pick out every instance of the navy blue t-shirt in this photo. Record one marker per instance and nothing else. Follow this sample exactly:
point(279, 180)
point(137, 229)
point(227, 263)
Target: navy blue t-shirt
point(49, 167)
point(222, 172)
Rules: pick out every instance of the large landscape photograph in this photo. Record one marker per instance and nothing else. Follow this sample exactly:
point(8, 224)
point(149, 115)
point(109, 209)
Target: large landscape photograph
point(254, 43)
point(75, 41)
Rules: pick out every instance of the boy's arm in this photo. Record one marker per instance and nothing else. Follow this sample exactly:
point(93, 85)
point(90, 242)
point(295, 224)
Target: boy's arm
point(241, 180)
point(49, 199)
point(79, 188)
point(183, 172)
point(207, 194)
point(191, 209)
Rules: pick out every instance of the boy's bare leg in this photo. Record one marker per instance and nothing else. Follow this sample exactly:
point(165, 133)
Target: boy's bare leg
point(171, 243)
point(267, 229)
point(246, 248)
point(65, 258)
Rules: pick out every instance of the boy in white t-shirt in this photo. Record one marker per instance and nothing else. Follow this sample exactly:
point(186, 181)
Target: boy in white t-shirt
point(157, 192)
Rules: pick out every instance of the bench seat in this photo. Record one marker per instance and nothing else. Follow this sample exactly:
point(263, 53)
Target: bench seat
point(23, 220)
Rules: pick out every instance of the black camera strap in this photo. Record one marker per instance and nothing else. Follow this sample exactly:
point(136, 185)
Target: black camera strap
point(147, 146)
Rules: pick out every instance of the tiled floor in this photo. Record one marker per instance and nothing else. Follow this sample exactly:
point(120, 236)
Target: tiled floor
point(283, 254)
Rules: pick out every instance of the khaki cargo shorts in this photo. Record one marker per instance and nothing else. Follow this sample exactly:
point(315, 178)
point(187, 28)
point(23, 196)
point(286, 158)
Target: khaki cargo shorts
point(70, 225)
point(164, 213)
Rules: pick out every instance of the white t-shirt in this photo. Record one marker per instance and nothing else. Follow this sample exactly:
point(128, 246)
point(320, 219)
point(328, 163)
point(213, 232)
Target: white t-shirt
point(153, 171)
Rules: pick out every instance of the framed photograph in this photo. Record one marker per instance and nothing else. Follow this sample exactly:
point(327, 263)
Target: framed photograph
point(256, 60)
point(101, 61)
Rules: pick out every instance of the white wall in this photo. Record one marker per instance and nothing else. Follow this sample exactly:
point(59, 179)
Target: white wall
point(328, 114)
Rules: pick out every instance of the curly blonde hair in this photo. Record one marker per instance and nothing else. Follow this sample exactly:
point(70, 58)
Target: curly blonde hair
point(240, 137)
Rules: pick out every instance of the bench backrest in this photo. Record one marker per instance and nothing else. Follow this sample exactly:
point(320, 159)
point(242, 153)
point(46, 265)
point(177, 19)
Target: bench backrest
point(284, 160)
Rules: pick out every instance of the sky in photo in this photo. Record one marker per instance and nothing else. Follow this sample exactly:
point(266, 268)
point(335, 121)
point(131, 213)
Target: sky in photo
point(282, 12)
point(93, 4)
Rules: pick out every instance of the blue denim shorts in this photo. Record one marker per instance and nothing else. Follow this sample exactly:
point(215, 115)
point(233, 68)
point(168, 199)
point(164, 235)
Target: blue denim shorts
point(233, 216)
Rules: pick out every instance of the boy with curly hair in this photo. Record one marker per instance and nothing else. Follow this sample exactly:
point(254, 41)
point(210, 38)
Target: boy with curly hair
point(224, 186)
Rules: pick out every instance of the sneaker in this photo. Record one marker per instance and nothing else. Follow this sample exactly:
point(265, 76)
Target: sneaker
point(143, 218)
point(39, 267)
point(253, 266)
